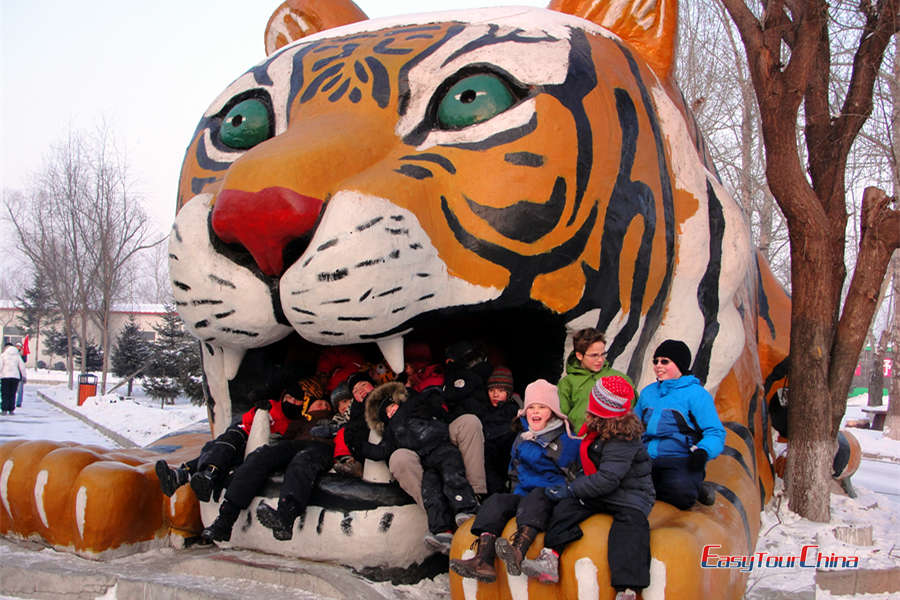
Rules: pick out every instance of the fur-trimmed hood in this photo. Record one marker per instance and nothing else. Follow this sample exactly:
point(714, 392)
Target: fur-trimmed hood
point(393, 390)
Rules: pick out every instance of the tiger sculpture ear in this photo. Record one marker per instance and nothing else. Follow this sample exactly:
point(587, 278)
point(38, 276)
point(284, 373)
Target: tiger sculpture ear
point(650, 28)
point(295, 19)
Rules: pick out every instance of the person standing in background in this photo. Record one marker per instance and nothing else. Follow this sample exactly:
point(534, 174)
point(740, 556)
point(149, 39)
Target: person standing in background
point(12, 370)
point(23, 350)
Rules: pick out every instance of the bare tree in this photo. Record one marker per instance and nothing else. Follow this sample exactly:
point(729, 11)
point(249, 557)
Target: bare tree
point(113, 228)
point(789, 57)
point(44, 232)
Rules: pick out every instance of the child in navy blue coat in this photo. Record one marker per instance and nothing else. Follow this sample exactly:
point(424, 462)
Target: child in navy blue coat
point(545, 454)
point(616, 481)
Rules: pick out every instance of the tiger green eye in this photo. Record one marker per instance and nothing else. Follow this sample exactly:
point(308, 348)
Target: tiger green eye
point(472, 100)
point(245, 125)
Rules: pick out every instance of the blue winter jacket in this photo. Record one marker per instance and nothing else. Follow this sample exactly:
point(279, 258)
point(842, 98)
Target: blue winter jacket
point(543, 461)
point(678, 414)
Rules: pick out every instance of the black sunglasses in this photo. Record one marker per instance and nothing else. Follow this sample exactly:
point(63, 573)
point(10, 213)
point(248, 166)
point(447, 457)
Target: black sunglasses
point(661, 361)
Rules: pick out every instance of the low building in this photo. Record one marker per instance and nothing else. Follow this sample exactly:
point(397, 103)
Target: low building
point(12, 332)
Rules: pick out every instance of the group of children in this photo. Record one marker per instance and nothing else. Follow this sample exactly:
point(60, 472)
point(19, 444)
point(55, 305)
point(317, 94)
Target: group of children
point(449, 436)
point(628, 453)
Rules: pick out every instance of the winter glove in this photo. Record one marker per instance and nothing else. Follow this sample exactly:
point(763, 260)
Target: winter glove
point(324, 429)
point(697, 459)
point(559, 492)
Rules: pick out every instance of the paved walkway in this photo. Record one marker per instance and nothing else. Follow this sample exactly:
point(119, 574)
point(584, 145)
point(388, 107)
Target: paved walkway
point(37, 419)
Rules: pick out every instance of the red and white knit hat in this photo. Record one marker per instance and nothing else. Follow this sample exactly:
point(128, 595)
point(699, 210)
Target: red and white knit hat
point(611, 397)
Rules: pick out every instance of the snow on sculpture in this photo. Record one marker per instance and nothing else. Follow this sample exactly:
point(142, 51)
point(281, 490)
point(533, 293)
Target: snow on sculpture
point(511, 174)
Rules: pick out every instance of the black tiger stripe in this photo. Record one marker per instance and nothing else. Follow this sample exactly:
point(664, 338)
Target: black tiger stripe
point(524, 159)
point(346, 524)
point(339, 93)
point(320, 525)
point(739, 506)
point(251, 334)
point(736, 455)
point(525, 221)
point(744, 433)
point(708, 290)
point(381, 82)
point(313, 87)
point(414, 171)
point(205, 161)
point(383, 47)
point(198, 183)
point(221, 281)
point(385, 522)
point(442, 161)
point(346, 52)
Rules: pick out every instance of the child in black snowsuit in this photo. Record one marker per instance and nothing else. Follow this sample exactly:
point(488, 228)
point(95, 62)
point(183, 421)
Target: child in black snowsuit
point(498, 423)
point(302, 458)
point(617, 481)
point(206, 473)
point(418, 423)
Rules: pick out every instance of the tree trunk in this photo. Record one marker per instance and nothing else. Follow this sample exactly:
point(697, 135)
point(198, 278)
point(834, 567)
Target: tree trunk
point(811, 445)
point(892, 420)
point(876, 372)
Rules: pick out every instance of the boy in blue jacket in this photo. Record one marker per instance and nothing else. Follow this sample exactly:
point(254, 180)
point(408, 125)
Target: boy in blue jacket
point(682, 430)
point(544, 455)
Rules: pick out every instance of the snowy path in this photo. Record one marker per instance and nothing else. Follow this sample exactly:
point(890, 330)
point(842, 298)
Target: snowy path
point(40, 420)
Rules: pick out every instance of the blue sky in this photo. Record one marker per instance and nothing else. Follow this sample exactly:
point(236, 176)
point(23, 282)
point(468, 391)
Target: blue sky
point(148, 69)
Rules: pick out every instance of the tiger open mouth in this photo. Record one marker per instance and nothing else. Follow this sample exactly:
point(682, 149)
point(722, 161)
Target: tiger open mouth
point(528, 341)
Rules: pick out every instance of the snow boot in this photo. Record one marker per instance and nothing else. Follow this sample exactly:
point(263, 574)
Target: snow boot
point(544, 568)
point(480, 566)
point(170, 479)
point(439, 542)
point(280, 520)
point(707, 494)
point(511, 551)
point(220, 529)
point(203, 483)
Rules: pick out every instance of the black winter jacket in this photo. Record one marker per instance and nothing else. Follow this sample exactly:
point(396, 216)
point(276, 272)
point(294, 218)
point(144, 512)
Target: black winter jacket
point(356, 435)
point(623, 475)
point(418, 424)
point(464, 390)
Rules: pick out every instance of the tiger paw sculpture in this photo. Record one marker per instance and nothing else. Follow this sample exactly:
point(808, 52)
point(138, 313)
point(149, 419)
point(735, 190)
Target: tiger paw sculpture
point(514, 174)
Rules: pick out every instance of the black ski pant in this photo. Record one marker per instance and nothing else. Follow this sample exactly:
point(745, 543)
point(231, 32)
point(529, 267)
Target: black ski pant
point(628, 544)
point(8, 387)
point(301, 460)
point(224, 452)
point(675, 482)
point(531, 510)
point(445, 489)
point(496, 461)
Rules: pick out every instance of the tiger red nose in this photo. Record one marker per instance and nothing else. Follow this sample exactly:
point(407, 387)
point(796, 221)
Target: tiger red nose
point(265, 222)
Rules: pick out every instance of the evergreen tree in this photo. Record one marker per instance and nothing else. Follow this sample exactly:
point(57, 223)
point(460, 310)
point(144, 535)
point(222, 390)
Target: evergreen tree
point(174, 363)
point(130, 353)
point(37, 309)
point(57, 345)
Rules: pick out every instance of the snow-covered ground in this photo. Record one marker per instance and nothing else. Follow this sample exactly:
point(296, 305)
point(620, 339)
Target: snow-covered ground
point(783, 533)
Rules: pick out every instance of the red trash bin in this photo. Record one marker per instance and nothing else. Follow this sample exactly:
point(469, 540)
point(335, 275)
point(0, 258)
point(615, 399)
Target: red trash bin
point(87, 387)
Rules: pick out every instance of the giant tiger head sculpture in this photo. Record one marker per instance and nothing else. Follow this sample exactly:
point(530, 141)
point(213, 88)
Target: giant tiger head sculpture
point(506, 174)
